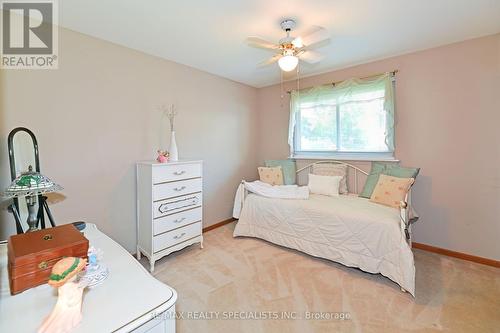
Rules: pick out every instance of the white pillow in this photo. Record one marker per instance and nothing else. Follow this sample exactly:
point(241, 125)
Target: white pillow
point(330, 169)
point(326, 185)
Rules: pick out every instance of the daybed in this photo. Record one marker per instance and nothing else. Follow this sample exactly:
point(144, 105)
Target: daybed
point(347, 229)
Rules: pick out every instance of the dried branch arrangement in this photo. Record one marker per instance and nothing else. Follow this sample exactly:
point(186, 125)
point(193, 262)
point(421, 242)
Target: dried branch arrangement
point(170, 112)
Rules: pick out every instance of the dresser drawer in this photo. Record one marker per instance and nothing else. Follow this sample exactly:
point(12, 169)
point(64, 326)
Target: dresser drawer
point(177, 220)
point(176, 236)
point(175, 205)
point(170, 173)
point(175, 189)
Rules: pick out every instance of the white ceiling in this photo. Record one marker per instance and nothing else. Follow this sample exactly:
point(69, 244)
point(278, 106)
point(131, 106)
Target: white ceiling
point(209, 34)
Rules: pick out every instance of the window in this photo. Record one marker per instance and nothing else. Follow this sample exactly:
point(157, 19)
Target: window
point(353, 118)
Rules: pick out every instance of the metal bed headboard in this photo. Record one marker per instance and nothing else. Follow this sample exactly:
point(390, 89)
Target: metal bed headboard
point(357, 171)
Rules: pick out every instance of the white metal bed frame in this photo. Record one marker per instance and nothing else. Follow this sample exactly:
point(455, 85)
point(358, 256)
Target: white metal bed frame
point(353, 167)
point(405, 206)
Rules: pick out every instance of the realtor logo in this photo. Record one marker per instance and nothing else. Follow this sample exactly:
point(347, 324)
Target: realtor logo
point(29, 35)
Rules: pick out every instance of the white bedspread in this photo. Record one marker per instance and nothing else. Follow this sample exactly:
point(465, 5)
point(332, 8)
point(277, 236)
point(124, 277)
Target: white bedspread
point(347, 229)
point(269, 191)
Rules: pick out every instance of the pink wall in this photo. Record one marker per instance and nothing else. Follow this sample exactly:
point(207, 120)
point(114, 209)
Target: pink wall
point(448, 120)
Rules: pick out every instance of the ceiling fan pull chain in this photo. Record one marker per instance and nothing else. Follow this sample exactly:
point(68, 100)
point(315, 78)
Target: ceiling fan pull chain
point(281, 88)
point(298, 77)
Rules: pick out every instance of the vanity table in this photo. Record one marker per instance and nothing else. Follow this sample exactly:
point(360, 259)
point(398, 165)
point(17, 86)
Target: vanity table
point(129, 300)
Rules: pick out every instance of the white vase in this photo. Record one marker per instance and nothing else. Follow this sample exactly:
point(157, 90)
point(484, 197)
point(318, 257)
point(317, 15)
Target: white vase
point(174, 154)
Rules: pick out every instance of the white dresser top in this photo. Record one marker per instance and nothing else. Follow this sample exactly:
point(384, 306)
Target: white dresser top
point(124, 301)
point(180, 162)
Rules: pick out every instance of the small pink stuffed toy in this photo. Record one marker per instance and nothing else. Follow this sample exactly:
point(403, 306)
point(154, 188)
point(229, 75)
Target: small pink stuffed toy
point(162, 156)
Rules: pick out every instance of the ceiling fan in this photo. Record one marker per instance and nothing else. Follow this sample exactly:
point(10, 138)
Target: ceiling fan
point(292, 49)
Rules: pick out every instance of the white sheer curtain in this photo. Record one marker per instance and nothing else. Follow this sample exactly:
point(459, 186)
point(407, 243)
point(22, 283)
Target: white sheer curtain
point(351, 93)
point(315, 95)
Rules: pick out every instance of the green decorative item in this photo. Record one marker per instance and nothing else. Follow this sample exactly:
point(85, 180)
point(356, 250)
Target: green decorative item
point(59, 277)
point(28, 180)
point(288, 168)
point(30, 184)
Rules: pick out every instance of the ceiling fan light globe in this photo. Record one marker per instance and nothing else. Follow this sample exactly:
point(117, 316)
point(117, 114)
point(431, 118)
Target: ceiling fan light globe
point(288, 63)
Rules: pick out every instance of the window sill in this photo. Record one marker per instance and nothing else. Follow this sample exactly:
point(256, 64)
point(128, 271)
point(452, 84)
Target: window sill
point(346, 157)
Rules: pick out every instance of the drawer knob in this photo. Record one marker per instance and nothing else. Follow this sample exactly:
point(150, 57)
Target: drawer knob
point(180, 236)
point(43, 265)
point(179, 220)
point(178, 173)
point(178, 189)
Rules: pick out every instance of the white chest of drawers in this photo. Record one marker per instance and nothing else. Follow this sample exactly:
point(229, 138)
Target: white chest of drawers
point(169, 207)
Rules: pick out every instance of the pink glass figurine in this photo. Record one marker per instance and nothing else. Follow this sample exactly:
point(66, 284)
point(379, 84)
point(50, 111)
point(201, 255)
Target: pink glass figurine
point(162, 156)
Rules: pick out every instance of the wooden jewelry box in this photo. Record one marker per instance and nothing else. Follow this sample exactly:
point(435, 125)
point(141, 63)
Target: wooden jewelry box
point(32, 255)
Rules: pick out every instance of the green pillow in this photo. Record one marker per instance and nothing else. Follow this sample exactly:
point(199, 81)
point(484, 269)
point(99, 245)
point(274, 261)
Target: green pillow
point(288, 168)
point(389, 169)
point(400, 172)
point(371, 181)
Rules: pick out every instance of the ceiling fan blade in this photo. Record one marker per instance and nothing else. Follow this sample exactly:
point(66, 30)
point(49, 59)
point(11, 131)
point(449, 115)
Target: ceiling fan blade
point(311, 57)
point(317, 45)
point(298, 42)
point(270, 61)
point(314, 36)
point(261, 43)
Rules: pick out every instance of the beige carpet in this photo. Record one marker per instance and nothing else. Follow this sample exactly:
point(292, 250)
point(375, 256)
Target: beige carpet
point(262, 280)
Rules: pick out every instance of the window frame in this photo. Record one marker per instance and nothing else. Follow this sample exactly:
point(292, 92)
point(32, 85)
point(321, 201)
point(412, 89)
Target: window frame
point(338, 154)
